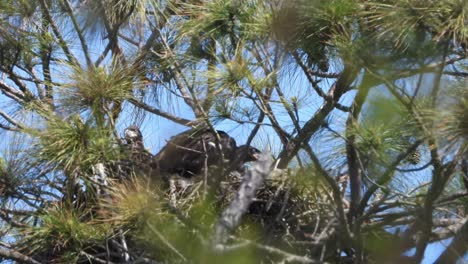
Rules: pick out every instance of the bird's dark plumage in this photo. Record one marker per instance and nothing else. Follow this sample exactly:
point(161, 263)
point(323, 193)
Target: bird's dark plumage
point(136, 158)
point(244, 153)
point(190, 152)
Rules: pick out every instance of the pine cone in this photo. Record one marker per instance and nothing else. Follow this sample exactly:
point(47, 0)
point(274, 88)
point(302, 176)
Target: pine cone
point(414, 157)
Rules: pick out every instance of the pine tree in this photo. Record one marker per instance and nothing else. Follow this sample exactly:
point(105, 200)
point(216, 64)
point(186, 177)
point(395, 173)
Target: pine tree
point(362, 104)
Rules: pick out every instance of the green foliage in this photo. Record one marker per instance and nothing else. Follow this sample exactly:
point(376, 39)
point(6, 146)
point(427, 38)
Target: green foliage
point(72, 144)
point(457, 115)
point(374, 141)
point(318, 28)
point(221, 18)
point(13, 176)
point(211, 18)
point(450, 118)
point(381, 244)
point(133, 203)
point(21, 8)
point(408, 20)
point(8, 182)
point(2, 165)
point(229, 75)
point(287, 71)
point(379, 136)
point(63, 233)
point(99, 89)
point(15, 50)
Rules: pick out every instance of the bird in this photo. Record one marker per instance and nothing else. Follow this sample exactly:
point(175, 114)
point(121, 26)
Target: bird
point(135, 146)
point(191, 152)
point(135, 158)
point(134, 138)
point(244, 154)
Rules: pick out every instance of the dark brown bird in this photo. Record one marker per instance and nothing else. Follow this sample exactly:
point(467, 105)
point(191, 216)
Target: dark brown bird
point(135, 158)
point(190, 152)
point(134, 138)
point(135, 146)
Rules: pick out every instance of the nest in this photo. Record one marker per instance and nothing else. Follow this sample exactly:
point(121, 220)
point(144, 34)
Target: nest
point(292, 209)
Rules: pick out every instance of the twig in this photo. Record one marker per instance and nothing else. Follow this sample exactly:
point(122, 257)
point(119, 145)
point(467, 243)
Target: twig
point(287, 257)
point(340, 87)
point(124, 245)
point(337, 197)
point(17, 256)
point(309, 74)
point(459, 245)
point(11, 120)
point(415, 169)
point(96, 259)
point(62, 43)
point(79, 32)
point(158, 112)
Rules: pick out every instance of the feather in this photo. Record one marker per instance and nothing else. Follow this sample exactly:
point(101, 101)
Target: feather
point(190, 152)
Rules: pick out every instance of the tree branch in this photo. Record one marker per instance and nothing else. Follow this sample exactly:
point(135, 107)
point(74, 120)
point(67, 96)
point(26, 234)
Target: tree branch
point(61, 41)
point(312, 125)
point(158, 112)
point(11, 120)
point(337, 197)
point(230, 218)
point(16, 256)
point(79, 32)
point(458, 247)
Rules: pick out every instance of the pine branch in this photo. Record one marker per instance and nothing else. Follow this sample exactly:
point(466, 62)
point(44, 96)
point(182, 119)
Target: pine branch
point(458, 247)
point(79, 32)
point(11, 92)
point(313, 124)
point(17, 256)
point(11, 120)
point(61, 41)
point(158, 112)
point(337, 197)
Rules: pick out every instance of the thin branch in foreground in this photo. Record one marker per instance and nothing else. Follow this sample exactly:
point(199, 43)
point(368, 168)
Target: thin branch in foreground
point(458, 247)
point(287, 257)
point(9, 128)
point(158, 112)
point(17, 256)
point(11, 120)
point(231, 216)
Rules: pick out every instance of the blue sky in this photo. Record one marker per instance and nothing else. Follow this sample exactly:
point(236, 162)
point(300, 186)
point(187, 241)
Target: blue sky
point(157, 130)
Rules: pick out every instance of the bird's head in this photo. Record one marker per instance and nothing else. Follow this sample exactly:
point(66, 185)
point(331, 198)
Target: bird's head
point(248, 153)
point(132, 133)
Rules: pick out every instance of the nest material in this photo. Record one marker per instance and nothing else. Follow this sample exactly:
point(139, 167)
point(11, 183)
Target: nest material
point(292, 211)
point(287, 211)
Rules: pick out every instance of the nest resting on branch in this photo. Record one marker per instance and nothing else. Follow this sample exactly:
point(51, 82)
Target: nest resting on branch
point(291, 214)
